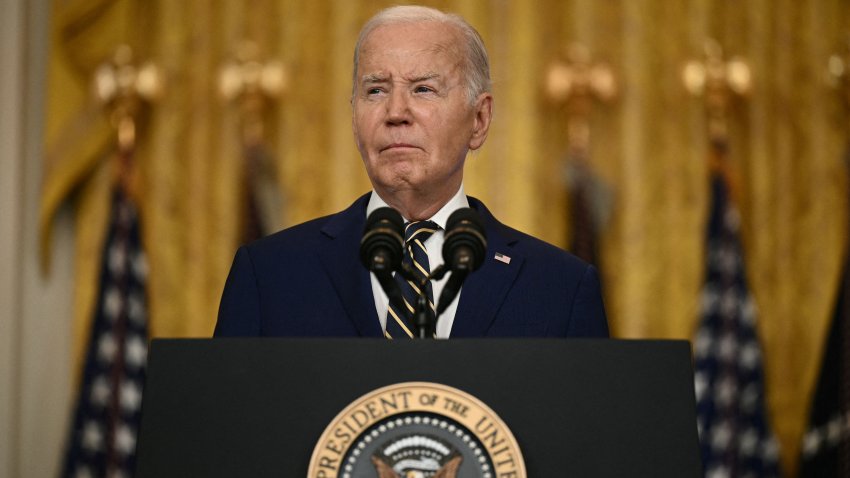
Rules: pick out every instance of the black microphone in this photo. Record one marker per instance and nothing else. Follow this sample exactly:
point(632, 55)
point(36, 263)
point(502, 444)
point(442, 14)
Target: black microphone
point(381, 250)
point(464, 247)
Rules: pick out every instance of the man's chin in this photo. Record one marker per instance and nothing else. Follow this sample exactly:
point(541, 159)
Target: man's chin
point(400, 176)
point(401, 186)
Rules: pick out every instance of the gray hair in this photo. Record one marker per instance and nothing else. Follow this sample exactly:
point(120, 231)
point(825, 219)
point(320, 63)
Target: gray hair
point(477, 64)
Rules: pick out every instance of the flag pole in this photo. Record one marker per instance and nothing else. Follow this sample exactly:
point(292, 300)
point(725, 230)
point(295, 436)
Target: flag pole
point(253, 84)
point(108, 409)
point(577, 82)
point(825, 449)
point(732, 418)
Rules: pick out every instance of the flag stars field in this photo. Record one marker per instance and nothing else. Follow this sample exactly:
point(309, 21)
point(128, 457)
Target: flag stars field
point(100, 392)
point(107, 348)
point(125, 439)
point(108, 411)
point(131, 396)
point(92, 438)
point(136, 352)
point(112, 304)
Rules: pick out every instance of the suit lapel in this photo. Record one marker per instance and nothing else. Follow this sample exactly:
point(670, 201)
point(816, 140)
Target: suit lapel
point(485, 289)
point(341, 261)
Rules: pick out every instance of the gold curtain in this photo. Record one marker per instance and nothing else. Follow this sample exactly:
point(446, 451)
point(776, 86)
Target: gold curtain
point(787, 141)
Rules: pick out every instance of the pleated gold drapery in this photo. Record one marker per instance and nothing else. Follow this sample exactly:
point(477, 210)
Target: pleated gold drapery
point(787, 141)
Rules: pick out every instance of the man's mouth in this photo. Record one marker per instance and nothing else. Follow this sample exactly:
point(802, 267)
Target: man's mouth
point(397, 146)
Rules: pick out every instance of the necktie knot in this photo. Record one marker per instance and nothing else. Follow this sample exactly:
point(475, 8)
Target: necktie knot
point(419, 230)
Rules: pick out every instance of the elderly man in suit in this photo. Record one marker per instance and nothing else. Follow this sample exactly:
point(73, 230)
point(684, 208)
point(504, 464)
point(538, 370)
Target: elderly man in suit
point(421, 101)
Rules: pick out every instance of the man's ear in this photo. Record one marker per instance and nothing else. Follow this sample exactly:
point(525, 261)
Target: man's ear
point(483, 110)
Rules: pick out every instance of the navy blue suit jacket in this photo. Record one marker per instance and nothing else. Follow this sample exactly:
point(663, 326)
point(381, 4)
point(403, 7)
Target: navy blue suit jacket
point(308, 281)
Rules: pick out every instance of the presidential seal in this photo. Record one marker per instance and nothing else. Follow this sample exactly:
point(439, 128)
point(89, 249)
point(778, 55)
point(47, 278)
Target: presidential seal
point(417, 430)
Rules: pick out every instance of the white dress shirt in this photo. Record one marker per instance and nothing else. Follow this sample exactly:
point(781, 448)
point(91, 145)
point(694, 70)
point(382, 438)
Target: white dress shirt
point(434, 244)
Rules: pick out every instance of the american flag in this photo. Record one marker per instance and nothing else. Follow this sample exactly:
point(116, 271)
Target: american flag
point(102, 442)
point(826, 443)
point(502, 258)
point(735, 436)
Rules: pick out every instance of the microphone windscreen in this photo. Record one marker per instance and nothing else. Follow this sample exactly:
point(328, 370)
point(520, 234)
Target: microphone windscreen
point(388, 214)
point(468, 215)
point(383, 240)
point(465, 236)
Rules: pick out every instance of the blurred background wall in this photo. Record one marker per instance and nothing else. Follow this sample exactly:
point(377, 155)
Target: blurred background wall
point(649, 146)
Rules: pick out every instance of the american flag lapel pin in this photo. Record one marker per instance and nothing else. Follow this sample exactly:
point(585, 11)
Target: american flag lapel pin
point(502, 258)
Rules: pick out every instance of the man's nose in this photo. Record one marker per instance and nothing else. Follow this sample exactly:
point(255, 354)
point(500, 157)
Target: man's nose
point(398, 107)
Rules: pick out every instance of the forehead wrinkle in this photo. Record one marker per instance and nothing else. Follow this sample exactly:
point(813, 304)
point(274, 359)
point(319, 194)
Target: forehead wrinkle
point(372, 78)
point(431, 75)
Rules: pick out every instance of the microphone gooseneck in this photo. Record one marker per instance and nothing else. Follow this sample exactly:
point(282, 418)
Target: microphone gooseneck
point(381, 250)
point(464, 247)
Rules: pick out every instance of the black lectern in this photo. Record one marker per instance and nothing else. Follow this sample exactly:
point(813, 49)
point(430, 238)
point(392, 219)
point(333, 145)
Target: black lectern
point(258, 407)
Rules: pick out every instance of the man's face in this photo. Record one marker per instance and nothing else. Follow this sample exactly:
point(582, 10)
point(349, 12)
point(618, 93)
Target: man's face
point(412, 118)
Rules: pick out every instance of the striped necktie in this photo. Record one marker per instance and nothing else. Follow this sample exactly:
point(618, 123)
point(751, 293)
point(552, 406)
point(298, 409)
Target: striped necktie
point(416, 256)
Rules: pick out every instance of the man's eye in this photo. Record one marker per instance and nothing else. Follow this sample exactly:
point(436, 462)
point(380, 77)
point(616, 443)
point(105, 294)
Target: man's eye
point(373, 91)
point(423, 89)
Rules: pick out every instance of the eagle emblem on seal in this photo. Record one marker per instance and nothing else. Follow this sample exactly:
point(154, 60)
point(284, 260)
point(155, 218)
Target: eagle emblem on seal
point(417, 456)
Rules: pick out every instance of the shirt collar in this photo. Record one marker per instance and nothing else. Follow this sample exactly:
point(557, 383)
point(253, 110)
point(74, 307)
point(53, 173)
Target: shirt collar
point(457, 201)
